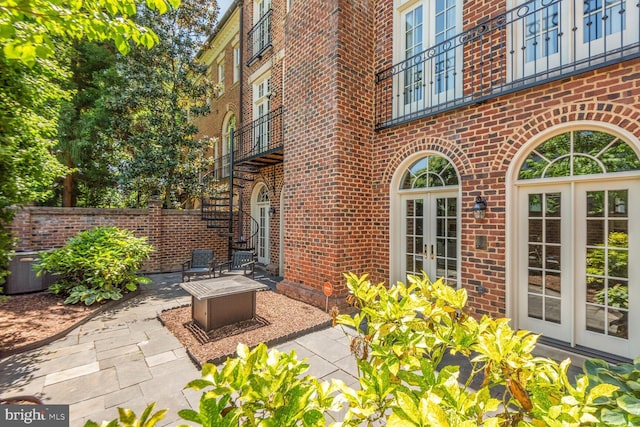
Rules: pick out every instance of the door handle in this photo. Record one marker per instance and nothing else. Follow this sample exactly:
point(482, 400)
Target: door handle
point(433, 255)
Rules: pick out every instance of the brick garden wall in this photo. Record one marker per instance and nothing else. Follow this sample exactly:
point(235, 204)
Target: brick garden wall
point(173, 234)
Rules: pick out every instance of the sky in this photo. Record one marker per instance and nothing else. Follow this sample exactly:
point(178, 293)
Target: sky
point(223, 5)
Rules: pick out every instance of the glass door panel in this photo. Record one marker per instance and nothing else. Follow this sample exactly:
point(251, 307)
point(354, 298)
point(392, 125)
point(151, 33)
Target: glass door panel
point(446, 236)
point(543, 298)
point(414, 236)
point(430, 225)
point(603, 314)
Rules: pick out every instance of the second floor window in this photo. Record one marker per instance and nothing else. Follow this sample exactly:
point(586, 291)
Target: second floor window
point(261, 32)
point(236, 63)
point(432, 67)
point(221, 75)
point(550, 34)
point(261, 109)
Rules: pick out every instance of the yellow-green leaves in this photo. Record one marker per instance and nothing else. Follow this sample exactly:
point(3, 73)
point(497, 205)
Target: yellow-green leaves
point(38, 22)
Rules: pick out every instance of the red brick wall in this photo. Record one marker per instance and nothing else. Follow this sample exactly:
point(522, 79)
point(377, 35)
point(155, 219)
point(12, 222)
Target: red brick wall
point(210, 125)
point(173, 234)
point(327, 170)
point(482, 141)
point(337, 171)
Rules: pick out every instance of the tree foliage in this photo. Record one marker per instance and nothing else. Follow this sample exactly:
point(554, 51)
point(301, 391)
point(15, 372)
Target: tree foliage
point(84, 145)
point(151, 114)
point(30, 29)
point(29, 101)
point(31, 86)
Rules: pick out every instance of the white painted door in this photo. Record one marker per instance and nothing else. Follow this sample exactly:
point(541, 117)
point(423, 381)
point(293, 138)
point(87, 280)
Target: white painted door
point(262, 216)
point(576, 282)
point(430, 234)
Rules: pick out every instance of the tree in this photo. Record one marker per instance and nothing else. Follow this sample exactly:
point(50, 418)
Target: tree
point(83, 145)
point(30, 29)
point(152, 114)
point(30, 90)
point(29, 102)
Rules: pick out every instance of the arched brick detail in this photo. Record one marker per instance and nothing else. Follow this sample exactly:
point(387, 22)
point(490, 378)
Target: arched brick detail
point(436, 145)
point(624, 116)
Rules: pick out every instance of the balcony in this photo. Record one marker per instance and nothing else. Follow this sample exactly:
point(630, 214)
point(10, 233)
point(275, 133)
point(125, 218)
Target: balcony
point(535, 43)
point(259, 38)
point(261, 142)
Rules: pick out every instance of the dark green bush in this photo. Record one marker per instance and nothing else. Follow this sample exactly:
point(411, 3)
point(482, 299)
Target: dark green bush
point(97, 265)
point(622, 407)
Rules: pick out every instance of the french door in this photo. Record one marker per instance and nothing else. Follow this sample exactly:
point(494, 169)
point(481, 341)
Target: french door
point(260, 212)
point(430, 233)
point(576, 283)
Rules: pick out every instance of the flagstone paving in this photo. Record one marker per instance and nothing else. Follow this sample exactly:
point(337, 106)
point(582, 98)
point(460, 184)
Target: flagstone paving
point(125, 357)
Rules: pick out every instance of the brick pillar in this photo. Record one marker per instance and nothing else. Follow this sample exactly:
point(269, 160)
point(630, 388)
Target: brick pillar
point(329, 87)
point(154, 264)
point(21, 228)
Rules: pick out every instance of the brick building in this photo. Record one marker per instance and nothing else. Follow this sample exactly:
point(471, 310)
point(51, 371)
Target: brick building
point(492, 143)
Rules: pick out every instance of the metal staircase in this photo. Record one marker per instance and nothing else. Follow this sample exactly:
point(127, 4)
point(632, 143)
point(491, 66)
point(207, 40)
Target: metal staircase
point(222, 210)
point(259, 144)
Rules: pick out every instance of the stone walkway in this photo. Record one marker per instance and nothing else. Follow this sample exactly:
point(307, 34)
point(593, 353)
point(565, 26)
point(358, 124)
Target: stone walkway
point(125, 357)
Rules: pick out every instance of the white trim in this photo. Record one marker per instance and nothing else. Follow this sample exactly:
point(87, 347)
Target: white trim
point(396, 209)
point(255, 213)
point(512, 197)
point(266, 67)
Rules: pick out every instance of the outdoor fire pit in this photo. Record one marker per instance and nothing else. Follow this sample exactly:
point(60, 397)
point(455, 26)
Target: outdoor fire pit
point(222, 300)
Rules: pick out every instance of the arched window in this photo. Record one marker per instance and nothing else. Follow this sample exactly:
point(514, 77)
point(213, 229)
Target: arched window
point(582, 152)
point(263, 195)
point(577, 194)
point(430, 171)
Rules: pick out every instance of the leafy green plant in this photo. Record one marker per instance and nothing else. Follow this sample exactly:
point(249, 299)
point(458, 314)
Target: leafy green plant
point(261, 388)
point(128, 418)
point(410, 328)
point(622, 407)
point(97, 265)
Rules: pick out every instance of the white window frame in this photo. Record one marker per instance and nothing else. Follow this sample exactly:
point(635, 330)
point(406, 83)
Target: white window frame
point(515, 232)
point(571, 14)
point(221, 73)
point(429, 97)
point(261, 107)
point(260, 8)
point(236, 63)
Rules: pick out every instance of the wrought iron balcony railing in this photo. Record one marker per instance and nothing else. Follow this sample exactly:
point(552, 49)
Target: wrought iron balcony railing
point(259, 37)
point(261, 142)
point(537, 42)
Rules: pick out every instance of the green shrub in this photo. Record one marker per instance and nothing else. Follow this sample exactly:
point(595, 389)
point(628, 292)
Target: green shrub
point(128, 418)
point(261, 388)
point(622, 408)
point(97, 265)
point(402, 335)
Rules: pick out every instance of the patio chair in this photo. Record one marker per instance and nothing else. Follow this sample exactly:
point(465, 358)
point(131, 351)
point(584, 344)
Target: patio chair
point(201, 263)
point(242, 262)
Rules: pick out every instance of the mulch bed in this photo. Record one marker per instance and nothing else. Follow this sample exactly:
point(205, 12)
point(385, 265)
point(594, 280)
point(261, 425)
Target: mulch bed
point(280, 319)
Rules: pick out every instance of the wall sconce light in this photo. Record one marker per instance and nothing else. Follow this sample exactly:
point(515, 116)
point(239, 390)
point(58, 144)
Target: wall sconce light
point(272, 210)
point(479, 208)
